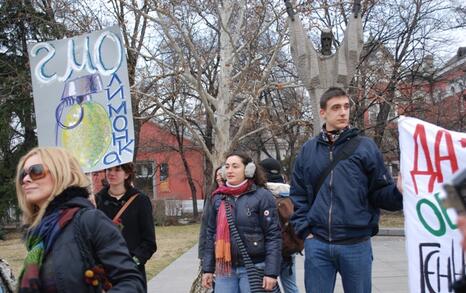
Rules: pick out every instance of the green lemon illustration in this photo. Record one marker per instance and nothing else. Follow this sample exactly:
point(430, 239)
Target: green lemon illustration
point(88, 141)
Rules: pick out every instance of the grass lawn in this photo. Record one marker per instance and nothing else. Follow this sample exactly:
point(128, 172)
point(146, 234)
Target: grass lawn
point(172, 241)
point(392, 219)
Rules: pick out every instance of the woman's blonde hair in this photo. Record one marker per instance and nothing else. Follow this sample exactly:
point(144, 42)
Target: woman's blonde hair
point(65, 171)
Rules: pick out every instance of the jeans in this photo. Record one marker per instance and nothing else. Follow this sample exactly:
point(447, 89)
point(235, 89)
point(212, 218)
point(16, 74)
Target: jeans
point(237, 282)
point(288, 276)
point(324, 260)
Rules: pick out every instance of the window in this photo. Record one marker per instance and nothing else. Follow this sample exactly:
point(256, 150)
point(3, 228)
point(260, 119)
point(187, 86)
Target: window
point(145, 169)
point(452, 91)
point(145, 177)
point(393, 113)
point(462, 101)
point(393, 168)
point(163, 172)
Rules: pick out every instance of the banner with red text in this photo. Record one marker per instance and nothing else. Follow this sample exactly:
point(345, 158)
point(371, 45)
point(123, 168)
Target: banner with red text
point(430, 155)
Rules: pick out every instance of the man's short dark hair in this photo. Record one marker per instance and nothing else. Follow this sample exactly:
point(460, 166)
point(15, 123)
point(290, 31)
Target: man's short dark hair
point(331, 93)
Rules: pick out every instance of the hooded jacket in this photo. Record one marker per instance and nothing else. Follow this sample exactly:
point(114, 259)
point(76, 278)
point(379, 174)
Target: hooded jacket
point(278, 189)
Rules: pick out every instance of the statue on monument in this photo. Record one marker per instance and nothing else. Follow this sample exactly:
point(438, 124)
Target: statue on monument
point(321, 70)
point(326, 41)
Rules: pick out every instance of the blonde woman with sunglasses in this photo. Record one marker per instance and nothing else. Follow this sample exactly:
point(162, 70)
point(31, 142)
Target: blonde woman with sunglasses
point(72, 247)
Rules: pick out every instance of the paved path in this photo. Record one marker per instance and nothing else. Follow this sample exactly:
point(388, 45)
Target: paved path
point(389, 271)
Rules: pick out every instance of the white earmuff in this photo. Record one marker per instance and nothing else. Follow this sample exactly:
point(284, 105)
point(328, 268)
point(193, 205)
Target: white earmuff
point(250, 170)
point(223, 173)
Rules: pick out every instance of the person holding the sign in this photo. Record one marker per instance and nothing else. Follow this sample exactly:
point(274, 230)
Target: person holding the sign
point(71, 246)
point(131, 211)
point(461, 222)
point(460, 285)
point(339, 183)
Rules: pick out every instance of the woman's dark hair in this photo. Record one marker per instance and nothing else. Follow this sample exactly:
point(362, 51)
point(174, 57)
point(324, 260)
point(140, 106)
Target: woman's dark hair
point(214, 183)
point(129, 170)
point(260, 179)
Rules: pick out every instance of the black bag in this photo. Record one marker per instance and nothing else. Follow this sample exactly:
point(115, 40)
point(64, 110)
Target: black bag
point(255, 275)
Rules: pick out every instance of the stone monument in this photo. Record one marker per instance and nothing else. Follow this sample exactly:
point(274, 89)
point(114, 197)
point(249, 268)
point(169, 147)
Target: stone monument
point(321, 70)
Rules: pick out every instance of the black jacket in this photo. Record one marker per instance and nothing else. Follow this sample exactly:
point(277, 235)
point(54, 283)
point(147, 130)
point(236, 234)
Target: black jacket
point(65, 259)
point(348, 202)
point(256, 218)
point(203, 229)
point(138, 221)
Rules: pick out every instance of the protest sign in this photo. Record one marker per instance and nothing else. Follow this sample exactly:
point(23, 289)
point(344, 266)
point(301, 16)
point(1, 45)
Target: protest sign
point(82, 99)
point(430, 155)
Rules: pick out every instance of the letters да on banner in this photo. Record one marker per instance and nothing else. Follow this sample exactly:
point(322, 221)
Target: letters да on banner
point(430, 155)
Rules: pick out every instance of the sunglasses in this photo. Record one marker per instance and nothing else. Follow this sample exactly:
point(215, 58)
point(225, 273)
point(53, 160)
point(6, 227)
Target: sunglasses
point(35, 172)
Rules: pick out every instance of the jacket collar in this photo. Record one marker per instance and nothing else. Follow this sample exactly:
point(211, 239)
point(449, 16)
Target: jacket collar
point(128, 194)
point(71, 197)
point(343, 136)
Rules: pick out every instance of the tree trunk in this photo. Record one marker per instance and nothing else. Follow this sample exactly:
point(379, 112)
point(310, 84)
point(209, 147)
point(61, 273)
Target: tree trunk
point(223, 120)
point(192, 186)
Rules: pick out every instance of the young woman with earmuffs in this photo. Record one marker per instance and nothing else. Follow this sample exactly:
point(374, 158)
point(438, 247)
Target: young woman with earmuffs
point(254, 215)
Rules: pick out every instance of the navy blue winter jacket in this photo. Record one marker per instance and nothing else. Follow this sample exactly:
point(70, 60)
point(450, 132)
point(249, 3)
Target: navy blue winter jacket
point(256, 218)
point(347, 204)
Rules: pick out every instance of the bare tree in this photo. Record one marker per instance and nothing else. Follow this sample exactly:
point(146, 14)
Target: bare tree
point(410, 34)
point(403, 33)
point(226, 37)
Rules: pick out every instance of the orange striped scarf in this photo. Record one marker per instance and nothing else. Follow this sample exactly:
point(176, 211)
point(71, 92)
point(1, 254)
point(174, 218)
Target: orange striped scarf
point(222, 239)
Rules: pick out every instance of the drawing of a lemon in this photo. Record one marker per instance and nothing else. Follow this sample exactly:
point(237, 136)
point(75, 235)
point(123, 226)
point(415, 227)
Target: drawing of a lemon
point(89, 140)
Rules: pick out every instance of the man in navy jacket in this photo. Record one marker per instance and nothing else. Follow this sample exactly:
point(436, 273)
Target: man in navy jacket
point(338, 220)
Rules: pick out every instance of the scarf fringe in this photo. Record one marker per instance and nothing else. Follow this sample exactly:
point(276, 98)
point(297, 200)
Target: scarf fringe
point(222, 268)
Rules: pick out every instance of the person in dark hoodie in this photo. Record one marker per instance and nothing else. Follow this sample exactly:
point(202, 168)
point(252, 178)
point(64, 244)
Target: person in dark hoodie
point(131, 210)
point(71, 246)
point(276, 184)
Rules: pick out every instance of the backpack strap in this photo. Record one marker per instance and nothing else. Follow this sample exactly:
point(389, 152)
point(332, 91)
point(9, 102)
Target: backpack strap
point(123, 208)
point(343, 154)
